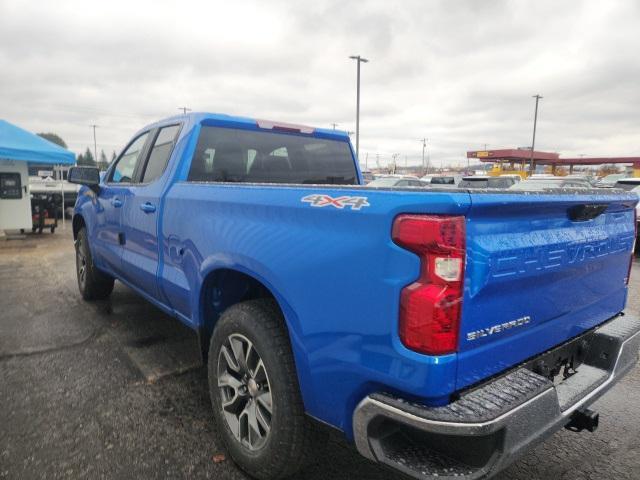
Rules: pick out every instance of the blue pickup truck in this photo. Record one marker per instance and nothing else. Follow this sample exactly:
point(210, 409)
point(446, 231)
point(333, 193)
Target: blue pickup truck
point(444, 332)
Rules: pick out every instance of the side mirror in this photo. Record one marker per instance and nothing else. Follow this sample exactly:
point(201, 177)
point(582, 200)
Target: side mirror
point(89, 176)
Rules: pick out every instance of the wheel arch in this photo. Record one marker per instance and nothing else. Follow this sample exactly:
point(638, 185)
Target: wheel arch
point(224, 285)
point(77, 223)
point(227, 284)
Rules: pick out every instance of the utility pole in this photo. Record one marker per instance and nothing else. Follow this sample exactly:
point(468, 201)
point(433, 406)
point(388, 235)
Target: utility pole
point(533, 142)
point(358, 60)
point(424, 145)
point(184, 110)
point(334, 125)
point(95, 145)
point(394, 157)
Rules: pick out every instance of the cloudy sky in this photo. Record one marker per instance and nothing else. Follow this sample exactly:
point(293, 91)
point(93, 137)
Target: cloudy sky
point(460, 73)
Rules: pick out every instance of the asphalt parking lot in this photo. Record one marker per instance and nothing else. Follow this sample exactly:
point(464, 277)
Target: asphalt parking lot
point(114, 390)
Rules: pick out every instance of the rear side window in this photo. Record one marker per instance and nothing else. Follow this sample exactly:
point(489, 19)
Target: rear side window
point(160, 153)
point(500, 182)
point(482, 183)
point(231, 155)
point(443, 180)
point(125, 168)
point(628, 186)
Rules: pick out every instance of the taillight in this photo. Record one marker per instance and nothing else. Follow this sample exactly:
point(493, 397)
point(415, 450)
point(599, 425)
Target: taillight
point(430, 307)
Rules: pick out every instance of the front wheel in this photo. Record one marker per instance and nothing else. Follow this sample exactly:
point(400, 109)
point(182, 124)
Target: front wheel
point(92, 283)
point(255, 394)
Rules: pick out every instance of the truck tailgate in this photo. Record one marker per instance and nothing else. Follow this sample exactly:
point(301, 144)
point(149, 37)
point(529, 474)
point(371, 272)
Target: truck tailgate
point(541, 268)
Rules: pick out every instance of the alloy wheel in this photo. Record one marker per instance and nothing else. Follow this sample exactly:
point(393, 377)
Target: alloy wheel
point(245, 392)
point(81, 263)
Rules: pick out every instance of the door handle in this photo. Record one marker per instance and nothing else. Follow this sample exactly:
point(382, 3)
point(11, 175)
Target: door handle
point(147, 207)
point(116, 202)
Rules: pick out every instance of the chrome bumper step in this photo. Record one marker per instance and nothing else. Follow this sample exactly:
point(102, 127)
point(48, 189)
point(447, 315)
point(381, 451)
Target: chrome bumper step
point(490, 426)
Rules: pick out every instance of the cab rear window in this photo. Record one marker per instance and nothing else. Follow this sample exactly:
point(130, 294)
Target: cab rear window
point(232, 155)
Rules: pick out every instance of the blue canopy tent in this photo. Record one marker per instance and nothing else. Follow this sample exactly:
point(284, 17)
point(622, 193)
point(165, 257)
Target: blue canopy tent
point(18, 148)
point(18, 144)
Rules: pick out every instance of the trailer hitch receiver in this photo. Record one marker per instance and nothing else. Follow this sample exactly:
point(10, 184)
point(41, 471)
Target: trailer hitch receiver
point(584, 420)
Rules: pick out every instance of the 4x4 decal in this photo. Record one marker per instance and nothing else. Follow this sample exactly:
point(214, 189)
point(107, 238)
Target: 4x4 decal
point(321, 200)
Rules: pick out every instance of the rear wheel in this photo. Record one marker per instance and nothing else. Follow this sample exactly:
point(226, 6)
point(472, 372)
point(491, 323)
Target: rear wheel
point(255, 394)
point(92, 283)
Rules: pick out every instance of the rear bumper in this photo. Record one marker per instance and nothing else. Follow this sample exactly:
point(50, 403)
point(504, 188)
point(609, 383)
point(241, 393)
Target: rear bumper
point(490, 426)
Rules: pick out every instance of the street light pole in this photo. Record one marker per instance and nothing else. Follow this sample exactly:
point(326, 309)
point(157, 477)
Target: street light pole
point(95, 145)
point(424, 145)
point(358, 60)
point(533, 142)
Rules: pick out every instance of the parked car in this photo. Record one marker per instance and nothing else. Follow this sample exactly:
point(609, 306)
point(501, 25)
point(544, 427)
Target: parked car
point(444, 180)
point(609, 181)
point(409, 319)
point(482, 181)
point(628, 183)
point(397, 181)
point(544, 183)
point(516, 178)
point(587, 178)
point(367, 176)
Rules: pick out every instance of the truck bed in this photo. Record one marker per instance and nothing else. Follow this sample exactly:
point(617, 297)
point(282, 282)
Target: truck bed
point(338, 276)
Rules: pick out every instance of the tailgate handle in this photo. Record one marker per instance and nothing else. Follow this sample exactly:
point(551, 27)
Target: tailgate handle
point(582, 213)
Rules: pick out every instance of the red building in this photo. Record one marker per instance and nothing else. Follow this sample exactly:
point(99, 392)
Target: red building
point(517, 160)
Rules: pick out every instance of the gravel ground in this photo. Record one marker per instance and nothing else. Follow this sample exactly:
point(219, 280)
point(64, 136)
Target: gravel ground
point(110, 390)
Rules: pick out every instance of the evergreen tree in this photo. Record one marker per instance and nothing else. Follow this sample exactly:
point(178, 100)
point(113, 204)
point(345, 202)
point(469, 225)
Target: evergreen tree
point(87, 159)
point(103, 163)
point(80, 160)
point(113, 156)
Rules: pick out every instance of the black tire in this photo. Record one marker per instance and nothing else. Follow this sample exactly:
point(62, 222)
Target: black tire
point(92, 283)
point(289, 444)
